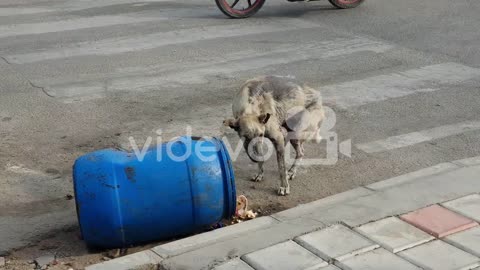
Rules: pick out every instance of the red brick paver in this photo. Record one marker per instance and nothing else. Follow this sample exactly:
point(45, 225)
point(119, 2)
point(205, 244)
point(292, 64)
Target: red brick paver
point(438, 221)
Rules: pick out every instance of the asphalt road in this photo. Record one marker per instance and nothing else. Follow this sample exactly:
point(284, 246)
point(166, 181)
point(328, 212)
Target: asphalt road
point(402, 79)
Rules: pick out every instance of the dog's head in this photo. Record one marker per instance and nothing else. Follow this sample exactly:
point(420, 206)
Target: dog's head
point(249, 127)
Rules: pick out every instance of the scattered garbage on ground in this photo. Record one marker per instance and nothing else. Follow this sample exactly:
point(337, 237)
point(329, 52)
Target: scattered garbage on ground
point(243, 212)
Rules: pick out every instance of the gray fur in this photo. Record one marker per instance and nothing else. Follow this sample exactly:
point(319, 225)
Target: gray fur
point(282, 110)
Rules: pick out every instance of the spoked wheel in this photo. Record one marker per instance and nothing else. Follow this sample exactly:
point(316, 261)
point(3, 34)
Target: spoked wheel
point(239, 8)
point(346, 3)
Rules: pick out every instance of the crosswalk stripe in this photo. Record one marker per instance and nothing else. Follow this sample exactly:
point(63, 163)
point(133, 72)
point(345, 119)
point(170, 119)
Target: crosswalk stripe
point(69, 6)
point(22, 11)
point(277, 54)
point(417, 137)
point(72, 24)
point(151, 41)
point(382, 87)
point(232, 64)
point(345, 95)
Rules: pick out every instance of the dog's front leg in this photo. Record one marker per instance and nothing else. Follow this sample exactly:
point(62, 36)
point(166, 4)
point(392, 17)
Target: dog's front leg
point(279, 143)
point(259, 175)
point(258, 148)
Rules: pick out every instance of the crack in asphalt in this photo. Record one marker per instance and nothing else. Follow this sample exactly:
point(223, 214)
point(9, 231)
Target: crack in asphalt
point(6, 61)
point(41, 88)
point(29, 82)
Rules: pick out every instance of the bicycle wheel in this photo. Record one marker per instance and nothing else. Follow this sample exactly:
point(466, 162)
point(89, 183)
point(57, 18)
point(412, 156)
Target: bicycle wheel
point(346, 3)
point(239, 8)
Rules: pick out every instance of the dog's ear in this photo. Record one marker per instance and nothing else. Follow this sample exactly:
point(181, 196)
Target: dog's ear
point(232, 123)
point(263, 119)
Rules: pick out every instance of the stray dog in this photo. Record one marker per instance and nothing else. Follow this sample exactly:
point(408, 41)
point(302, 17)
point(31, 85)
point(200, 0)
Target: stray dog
point(282, 110)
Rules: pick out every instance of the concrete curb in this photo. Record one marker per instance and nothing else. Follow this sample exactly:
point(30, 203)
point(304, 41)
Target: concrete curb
point(144, 260)
point(204, 239)
point(303, 209)
point(354, 207)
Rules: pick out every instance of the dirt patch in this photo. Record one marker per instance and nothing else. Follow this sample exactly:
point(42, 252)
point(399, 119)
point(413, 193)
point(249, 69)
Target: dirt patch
point(69, 250)
point(72, 253)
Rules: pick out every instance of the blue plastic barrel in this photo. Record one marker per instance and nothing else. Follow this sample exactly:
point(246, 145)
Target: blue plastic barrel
point(178, 188)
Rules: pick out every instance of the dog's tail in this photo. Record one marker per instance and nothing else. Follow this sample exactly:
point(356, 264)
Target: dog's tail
point(313, 104)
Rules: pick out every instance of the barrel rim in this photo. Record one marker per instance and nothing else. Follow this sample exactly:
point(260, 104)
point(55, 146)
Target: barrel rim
point(231, 201)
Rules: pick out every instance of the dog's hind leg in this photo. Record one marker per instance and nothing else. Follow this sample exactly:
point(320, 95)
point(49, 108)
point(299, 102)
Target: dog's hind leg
point(298, 146)
point(316, 116)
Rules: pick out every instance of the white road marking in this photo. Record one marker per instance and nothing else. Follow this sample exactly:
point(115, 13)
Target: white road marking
point(70, 6)
point(73, 24)
point(280, 56)
point(22, 11)
point(131, 79)
point(413, 138)
point(382, 87)
point(306, 50)
point(151, 41)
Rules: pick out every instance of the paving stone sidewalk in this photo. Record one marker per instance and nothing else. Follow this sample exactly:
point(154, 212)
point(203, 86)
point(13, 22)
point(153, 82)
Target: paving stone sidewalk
point(427, 219)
